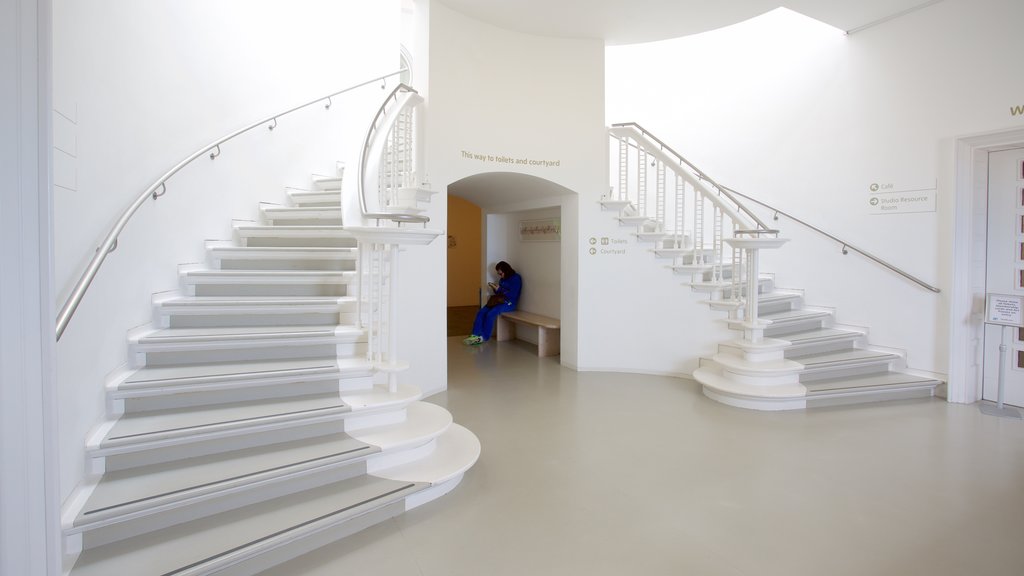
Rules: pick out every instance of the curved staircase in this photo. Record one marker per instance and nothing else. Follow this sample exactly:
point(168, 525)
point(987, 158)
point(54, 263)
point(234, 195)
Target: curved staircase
point(253, 424)
point(787, 356)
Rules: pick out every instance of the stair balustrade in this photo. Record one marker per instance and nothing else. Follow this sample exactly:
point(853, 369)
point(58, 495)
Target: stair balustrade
point(705, 228)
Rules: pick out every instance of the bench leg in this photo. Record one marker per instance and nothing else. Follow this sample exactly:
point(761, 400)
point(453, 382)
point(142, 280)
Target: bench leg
point(506, 330)
point(547, 342)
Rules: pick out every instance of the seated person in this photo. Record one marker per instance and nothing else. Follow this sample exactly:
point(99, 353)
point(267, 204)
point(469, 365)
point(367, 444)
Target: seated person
point(504, 299)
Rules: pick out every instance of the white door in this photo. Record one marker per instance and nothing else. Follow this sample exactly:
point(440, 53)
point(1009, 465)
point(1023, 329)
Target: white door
point(1005, 269)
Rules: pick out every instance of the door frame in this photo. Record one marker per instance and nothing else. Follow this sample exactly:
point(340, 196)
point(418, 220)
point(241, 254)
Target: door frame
point(970, 222)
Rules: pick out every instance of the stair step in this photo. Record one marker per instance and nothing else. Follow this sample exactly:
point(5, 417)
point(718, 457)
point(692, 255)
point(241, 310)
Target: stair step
point(247, 476)
point(149, 427)
point(255, 235)
point(233, 344)
point(161, 436)
point(126, 495)
point(255, 537)
point(208, 311)
point(301, 215)
point(794, 320)
point(312, 198)
point(332, 183)
point(282, 258)
point(820, 340)
point(164, 387)
point(267, 282)
point(886, 386)
point(634, 220)
point(845, 363)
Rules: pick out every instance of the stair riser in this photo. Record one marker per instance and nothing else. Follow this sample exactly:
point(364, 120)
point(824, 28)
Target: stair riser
point(286, 221)
point(333, 265)
point(248, 353)
point(298, 546)
point(253, 319)
point(216, 503)
point(864, 369)
point(776, 306)
point(779, 330)
point(210, 394)
point(870, 396)
point(287, 242)
point(820, 347)
point(200, 446)
point(243, 290)
point(196, 399)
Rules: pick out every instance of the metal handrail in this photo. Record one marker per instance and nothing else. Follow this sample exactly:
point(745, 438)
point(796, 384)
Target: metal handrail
point(364, 158)
point(700, 174)
point(846, 245)
point(109, 243)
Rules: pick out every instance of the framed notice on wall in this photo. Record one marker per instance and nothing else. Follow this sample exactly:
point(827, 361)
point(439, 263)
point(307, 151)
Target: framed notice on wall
point(546, 230)
point(1004, 309)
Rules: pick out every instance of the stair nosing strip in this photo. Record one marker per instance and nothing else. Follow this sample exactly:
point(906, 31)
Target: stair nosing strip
point(296, 371)
point(257, 541)
point(281, 416)
point(363, 448)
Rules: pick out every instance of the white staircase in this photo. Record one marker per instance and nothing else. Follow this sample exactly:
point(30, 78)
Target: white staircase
point(251, 424)
point(787, 356)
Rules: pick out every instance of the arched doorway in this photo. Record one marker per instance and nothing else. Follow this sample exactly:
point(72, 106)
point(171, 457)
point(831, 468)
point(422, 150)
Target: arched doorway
point(531, 223)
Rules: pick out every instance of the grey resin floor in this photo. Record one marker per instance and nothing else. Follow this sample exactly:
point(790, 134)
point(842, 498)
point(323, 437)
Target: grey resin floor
point(614, 474)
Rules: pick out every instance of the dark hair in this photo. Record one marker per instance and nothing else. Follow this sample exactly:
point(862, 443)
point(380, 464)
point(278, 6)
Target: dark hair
point(505, 268)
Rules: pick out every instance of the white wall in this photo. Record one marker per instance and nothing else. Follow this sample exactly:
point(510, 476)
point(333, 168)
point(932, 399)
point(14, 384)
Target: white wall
point(29, 518)
point(138, 86)
point(538, 262)
point(805, 118)
point(498, 97)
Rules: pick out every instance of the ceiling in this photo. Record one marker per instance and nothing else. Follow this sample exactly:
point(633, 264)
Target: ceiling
point(633, 21)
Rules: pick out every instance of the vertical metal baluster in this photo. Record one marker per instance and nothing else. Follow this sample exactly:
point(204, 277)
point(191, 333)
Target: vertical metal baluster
point(623, 169)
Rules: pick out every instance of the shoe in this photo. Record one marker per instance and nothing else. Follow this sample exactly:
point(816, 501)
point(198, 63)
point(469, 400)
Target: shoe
point(472, 340)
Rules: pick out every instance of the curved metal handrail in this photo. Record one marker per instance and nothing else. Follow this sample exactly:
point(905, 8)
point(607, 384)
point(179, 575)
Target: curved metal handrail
point(365, 157)
point(762, 227)
point(109, 243)
point(846, 245)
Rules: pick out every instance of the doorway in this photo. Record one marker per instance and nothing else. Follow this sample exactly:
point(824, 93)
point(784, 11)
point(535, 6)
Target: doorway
point(1004, 270)
point(465, 264)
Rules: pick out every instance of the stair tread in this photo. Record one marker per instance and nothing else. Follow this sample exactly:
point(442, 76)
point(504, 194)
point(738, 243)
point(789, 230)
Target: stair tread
point(819, 334)
point(237, 531)
point(295, 209)
point(159, 375)
point(335, 228)
point(247, 300)
point(845, 356)
point(181, 421)
point(125, 491)
point(797, 314)
point(457, 450)
point(270, 273)
point(242, 332)
point(286, 250)
point(885, 380)
point(423, 421)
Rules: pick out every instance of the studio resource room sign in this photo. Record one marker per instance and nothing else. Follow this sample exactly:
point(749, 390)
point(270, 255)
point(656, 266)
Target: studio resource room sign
point(886, 198)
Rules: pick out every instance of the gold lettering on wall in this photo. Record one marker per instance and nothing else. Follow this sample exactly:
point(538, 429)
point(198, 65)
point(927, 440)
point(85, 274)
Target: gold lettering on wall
point(511, 160)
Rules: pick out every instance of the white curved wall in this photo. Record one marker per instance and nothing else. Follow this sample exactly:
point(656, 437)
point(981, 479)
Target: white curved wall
point(805, 118)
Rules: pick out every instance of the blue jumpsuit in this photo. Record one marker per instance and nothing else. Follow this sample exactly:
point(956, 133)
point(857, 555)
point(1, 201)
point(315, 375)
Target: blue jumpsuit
point(509, 288)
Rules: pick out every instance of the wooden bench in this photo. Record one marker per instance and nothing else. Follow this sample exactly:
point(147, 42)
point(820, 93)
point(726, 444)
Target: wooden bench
point(547, 330)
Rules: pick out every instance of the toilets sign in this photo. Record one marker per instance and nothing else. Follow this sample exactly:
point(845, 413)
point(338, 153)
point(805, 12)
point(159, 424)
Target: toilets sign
point(887, 198)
